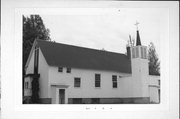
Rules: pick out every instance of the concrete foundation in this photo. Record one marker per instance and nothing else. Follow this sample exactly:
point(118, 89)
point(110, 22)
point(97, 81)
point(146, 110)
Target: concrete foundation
point(45, 100)
point(138, 100)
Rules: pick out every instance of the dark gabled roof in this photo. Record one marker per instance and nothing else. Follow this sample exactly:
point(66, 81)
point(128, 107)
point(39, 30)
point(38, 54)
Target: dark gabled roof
point(57, 54)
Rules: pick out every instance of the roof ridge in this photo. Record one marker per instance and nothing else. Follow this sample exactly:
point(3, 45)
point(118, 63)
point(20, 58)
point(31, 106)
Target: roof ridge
point(81, 47)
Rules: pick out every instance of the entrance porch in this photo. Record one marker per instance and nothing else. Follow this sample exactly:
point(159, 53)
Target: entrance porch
point(59, 93)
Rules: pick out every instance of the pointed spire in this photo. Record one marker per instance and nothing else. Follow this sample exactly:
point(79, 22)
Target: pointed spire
point(138, 40)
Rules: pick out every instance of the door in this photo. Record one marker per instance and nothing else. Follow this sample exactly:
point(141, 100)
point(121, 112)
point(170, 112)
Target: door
point(61, 96)
point(159, 95)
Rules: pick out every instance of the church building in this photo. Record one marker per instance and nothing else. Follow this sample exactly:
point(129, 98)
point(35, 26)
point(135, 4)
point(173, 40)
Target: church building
point(77, 75)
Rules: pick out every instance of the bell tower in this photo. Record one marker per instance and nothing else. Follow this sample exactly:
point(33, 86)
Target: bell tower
point(139, 66)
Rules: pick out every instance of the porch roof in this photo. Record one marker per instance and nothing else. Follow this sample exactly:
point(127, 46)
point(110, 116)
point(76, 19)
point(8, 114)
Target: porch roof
point(60, 85)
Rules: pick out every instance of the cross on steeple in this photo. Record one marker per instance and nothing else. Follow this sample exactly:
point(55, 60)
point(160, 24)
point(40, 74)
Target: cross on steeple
point(138, 41)
point(137, 23)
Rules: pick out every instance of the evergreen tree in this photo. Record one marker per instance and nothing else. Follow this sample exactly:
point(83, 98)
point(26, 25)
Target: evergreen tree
point(154, 64)
point(33, 28)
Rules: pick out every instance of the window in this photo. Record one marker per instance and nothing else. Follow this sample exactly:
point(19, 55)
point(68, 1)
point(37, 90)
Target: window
point(77, 82)
point(68, 70)
point(143, 53)
point(114, 81)
point(77, 100)
point(36, 59)
point(95, 100)
point(159, 82)
point(133, 52)
point(97, 80)
point(26, 85)
point(60, 69)
point(137, 52)
point(159, 94)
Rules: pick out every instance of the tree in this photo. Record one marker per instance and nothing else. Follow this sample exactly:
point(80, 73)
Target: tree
point(154, 64)
point(33, 28)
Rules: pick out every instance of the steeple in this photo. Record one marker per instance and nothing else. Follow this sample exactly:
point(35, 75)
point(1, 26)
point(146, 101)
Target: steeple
point(138, 40)
point(139, 68)
point(138, 50)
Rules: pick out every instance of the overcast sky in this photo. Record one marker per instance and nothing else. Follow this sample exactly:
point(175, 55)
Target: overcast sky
point(109, 30)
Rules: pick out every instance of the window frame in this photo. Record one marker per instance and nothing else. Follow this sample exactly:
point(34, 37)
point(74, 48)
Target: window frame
point(142, 52)
point(75, 82)
point(145, 53)
point(59, 69)
point(133, 53)
point(137, 52)
point(159, 83)
point(114, 81)
point(68, 70)
point(95, 100)
point(26, 85)
point(97, 80)
point(77, 100)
